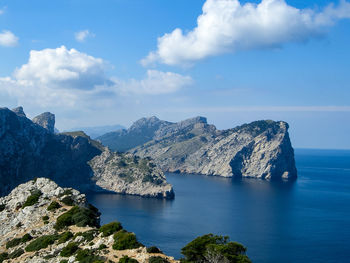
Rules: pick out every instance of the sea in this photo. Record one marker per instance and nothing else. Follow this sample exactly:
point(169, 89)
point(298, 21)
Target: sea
point(303, 221)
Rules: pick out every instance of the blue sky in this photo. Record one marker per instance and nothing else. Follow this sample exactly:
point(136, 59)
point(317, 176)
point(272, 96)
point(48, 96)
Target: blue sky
point(107, 62)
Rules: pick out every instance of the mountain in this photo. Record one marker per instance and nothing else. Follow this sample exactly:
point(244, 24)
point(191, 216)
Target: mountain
point(97, 131)
point(43, 222)
point(29, 149)
point(261, 149)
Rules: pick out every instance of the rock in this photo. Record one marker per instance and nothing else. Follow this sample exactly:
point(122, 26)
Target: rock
point(32, 223)
point(19, 111)
point(28, 150)
point(46, 120)
point(261, 149)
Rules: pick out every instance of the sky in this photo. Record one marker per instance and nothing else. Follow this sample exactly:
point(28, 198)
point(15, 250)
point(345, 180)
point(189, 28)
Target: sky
point(110, 62)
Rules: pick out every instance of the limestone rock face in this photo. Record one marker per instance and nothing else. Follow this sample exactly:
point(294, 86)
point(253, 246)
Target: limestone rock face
point(261, 149)
point(23, 224)
point(136, 176)
point(19, 111)
point(46, 120)
point(28, 150)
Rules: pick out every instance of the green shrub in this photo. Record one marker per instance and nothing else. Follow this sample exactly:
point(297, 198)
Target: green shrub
point(64, 261)
point(3, 256)
point(27, 237)
point(64, 237)
point(13, 243)
point(111, 228)
point(66, 192)
point(69, 250)
point(125, 240)
point(126, 259)
point(2, 207)
point(102, 246)
point(68, 200)
point(41, 242)
point(88, 235)
point(79, 216)
point(53, 206)
point(32, 199)
point(158, 260)
point(154, 249)
point(88, 256)
point(17, 253)
point(210, 248)
point(45, 218)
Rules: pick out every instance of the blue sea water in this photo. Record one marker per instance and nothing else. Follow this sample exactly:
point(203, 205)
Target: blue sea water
point(304, 221)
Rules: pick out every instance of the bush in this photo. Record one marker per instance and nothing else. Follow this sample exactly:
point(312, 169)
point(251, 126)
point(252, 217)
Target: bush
point(154, 249)
point(88, 235)
point(27, 237)
point(45, 218)
point(64, 237)
point(102, 246)
point(66, 192)
point(111, 228)
point(41, 242)
point(32, 199)
point(88, 256)
point(125, 240)
point(2, 207)
point(212, 248)
point(158, 260)
point(126, 259)
point(13, 243)
point(17, 253)
point(68, 200)
point(79, 216)
point(3, 256)
point(53, 206)
point(64, 261)
point(69, 250)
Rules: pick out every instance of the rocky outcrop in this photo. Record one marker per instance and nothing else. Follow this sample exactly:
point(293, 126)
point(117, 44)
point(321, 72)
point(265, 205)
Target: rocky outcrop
point(45, 120)
point(261, 149)
point(28, 150)
point(19, 111)
point(58, 225)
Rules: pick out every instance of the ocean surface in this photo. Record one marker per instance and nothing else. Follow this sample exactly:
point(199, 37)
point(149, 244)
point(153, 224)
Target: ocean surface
point(304, 221)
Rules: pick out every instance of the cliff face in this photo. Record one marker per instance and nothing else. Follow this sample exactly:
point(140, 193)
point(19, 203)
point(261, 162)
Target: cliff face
point(42, 222)
point(28, 150)
point(261, 149)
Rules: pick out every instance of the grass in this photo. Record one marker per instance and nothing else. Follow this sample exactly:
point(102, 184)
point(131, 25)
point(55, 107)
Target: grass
point(32, 199)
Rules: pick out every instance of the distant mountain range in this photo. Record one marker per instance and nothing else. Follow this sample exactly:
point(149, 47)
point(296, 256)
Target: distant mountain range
point(261, 149)
point(97, 131)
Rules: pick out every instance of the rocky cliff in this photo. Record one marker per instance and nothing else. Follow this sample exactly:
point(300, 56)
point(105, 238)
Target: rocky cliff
point(261, 149)
point(42, 222)
point(29, 150)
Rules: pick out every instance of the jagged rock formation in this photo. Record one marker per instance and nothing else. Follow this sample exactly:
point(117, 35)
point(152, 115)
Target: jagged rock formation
point(28, 150)
point(19, 111)
point(45, 120)
point(261, 149)
point(58, 225)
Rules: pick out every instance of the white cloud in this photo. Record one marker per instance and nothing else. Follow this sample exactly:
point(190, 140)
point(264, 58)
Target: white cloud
point(156, 82)
point(2, 11)
point(81, 36)
point(8, 39)
point(68, 78)
point(227, 26)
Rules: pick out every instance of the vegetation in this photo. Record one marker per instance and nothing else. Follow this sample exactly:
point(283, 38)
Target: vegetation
point(69, 250)
point(125, 240)
point(126, 259)
point(154, 249)
point(158, 260)
point(64, 261)
point(32, 199)
point(212, 248)
point(17, 253)
point(16, 241)
point(68, 200)
point(41, 242)
point(2, 208)
point(111, 228)
point(88, 235)
point(3, 256)
point(53, 206)
point(88, 256)
point(64, 237)
point(79, 216)
point(45, 219)
point(102, 246)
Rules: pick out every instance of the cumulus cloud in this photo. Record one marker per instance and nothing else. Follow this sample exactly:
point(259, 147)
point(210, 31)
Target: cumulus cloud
point(64, 77)
point(8, 39)
point(156, 82)
point(227, 26)
point(81, 36)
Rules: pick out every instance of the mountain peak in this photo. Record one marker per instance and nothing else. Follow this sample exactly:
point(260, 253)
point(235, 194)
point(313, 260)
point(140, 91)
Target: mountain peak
point(19, 111)
point(46, 120)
